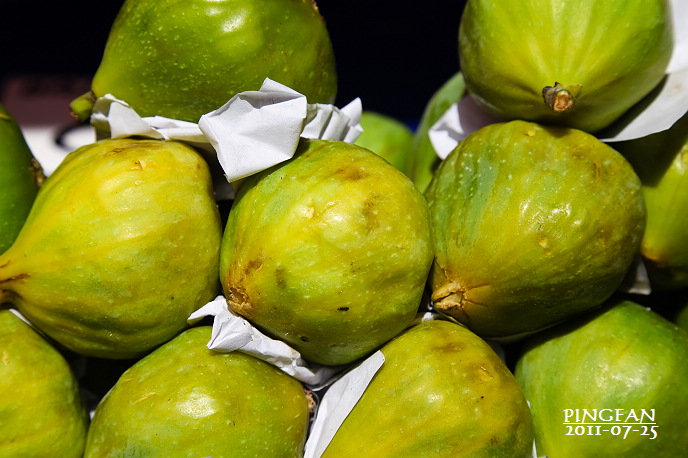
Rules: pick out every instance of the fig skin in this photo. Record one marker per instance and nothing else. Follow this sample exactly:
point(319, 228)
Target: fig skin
point(329, 251)
point(184, 400)
point(661, 162)
point(41, 409)
point(423, 159)
point(441, 392)
point(184, 59)
point(387, 137)
point(20, 177)
point(591, 60)
point(121, 246)
point(531, 225)
point(623, 356)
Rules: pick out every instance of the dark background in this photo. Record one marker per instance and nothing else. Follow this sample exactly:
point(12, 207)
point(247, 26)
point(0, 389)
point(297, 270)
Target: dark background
point(391, 55)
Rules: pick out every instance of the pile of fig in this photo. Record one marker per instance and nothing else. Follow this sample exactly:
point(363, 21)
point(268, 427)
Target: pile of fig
point(535, 272)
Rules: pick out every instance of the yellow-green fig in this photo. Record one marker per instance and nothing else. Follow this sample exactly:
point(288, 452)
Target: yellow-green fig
point(661, 162)
point(182, 59)
point(423, 159)
point(387, 137)
point(577, 63)
point(329, 251)
point(184, 400)
point(20, 177)
point(531, 226)
point(611, 383)
point(42, 412)
point(120, 247)
point(441, 392)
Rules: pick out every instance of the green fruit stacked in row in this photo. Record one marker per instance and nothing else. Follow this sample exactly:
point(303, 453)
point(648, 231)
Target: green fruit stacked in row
point(184, 59)
point(441, 392)
point(186, 400)
point(615, 364)
point(329, 251)
point(120, 247)
point(20, 178)
point(41, 410)
point(578, 63)
point(423, 160)
point(661, 161)
point(531, 225)
point(387, 137)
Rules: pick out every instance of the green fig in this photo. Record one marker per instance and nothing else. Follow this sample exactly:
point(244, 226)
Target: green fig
point(441, 392)
point(531, 225)
point(622, 371)
point(661, 162)
point(121, 246)
point(184, 400)
point(387, 137)
point(41, 410)
point(184, 59)
point(20, 177)
point(423, 159)
point(329, 251)
point(578, 63)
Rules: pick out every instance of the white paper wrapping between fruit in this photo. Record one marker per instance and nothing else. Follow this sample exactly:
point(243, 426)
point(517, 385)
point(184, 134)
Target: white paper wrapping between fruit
point(233, 332)
point(253, 131)
point(659, 111)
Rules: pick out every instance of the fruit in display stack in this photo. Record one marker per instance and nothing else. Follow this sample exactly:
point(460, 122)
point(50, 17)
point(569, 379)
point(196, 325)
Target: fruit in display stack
point(526, 233)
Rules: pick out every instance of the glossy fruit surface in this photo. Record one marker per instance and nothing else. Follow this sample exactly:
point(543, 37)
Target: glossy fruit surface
point(121, 246)
point(623, 365)
point(184, 59)
point(661, 162)
point(441, 392)
point(578, 63)
point(41, 410)
point(20, 177)
point(531, 225)
point(387, 137)
point(329, 251)
point(423, 160)
point(184, 400)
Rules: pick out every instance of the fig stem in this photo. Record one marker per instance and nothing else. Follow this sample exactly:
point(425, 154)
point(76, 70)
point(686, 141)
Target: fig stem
point(561, 98)
point(82, 106)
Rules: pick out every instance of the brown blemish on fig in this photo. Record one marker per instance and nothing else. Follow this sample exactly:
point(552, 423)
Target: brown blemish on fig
point(343, 309)
point(369, 213)
point(279, 278)
point(304, 338)
point(237, 301)
point(350, 173)
point(15, 278)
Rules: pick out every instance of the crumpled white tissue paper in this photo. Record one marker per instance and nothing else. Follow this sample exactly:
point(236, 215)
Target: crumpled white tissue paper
point(253, 131)
point(656, 113)
point(233, 332)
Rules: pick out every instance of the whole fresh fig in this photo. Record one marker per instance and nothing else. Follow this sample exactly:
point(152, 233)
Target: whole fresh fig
point(121, 246)
point(531, 225)
point(184, 59)
point(20, 178)
point(387, 137)
point(186, 400)
point(41, 410)
point(578, 63)
point(622, 371)
point(329, 251)
point(423, 159)
point(661, 162)
point(441, 392)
